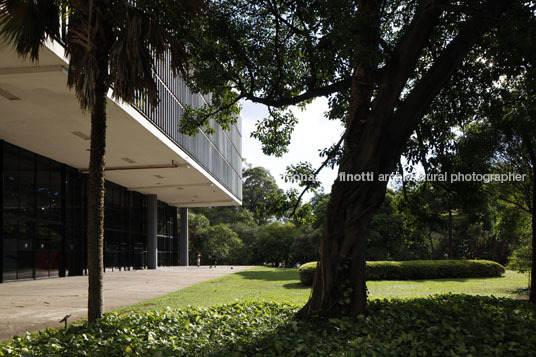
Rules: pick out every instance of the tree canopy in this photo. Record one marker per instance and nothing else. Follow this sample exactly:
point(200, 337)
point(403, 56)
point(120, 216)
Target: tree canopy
point(383, 65)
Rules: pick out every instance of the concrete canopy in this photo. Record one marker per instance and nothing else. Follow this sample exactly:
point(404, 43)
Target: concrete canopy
point(40, 114)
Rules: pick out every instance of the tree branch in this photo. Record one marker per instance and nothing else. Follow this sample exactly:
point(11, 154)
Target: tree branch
point(417, 102)
point(405, 56)
point(329, 157)
point(339, 86)
point(517, 204)
point(200, 123)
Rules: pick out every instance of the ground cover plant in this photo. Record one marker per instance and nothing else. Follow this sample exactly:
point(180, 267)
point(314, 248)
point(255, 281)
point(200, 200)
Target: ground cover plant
point(443, 325)
point(283, 285)
point(418, 269)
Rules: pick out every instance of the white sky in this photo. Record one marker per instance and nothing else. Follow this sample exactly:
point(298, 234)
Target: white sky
point(312, 133)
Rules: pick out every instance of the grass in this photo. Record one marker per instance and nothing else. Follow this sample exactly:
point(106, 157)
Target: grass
point(261, 283)
point(505, 286)
point(282, 285)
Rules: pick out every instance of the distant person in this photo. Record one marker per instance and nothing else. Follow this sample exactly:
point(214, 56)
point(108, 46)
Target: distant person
point(198, 259)
point(212, 261)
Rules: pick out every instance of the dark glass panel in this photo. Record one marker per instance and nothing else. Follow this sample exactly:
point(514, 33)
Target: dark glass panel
point(42, 238)
point(11, 180)
point(54, 191)
point(11, 228)
point(161, 219)
point(41, 263)
point(42, 187)
point(73, 263)
point(10, 259)
point(25, 269)
point(55, 237)
point(25, 250)
point(54, 248)
point(54, 263)
point(27, 183)
point(73, 245)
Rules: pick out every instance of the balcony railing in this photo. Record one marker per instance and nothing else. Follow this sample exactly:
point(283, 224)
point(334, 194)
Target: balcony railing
point(220, 153)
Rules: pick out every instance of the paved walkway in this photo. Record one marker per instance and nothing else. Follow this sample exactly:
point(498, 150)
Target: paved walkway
point(37, 304)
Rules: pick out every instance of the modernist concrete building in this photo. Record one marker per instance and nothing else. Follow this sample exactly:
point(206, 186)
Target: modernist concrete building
point(152, 172)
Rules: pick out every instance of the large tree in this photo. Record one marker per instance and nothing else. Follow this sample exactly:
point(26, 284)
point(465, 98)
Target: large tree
point(258, 184)
point(381, 63)
point(109, 44)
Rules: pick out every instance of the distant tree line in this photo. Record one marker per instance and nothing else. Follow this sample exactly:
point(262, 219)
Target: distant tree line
point(416, 221)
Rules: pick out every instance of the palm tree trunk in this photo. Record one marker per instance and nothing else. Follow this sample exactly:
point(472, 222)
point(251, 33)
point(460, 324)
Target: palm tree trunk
point(95, 209)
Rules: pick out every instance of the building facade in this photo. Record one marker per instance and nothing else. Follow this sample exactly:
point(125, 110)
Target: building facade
point(152, 172)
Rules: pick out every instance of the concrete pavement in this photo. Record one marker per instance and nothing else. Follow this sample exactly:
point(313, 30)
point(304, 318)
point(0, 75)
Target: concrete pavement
point(32, 305)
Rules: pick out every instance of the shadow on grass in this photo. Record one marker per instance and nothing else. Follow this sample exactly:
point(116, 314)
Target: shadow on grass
point(276, 342)
point(440, 318)
point(458, 280)
point(278, 275)
point(520, 294)
point(298, 286)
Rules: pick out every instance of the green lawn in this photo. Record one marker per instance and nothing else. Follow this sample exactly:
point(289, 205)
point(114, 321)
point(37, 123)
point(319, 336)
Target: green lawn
point(443, 325)
point(283, 285)
point(505, 286)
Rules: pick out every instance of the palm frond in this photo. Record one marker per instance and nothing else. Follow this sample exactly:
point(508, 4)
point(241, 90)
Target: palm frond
point(146, 32)
point(88, 42)
point(131, 59)
point(25, 24)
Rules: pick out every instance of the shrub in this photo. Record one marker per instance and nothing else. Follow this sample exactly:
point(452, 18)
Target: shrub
point(443, 325)
point(307, 273)
point(419, 269)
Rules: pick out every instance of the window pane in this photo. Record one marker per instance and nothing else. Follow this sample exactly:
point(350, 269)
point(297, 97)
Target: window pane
point(11, 180)
point(27, 183)
point(42, 189)
point(54, 192)
point(10, 259)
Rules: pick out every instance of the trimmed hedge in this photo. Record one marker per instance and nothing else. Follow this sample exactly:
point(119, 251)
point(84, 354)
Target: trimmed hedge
point(419, 269)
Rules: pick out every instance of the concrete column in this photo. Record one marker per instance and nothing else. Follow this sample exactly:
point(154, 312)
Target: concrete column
point(152, 240)
point(183, 247)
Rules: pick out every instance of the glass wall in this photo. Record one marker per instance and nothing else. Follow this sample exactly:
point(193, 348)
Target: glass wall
point(75, 238)
point(167, 235)
point(43, 221)
point(138, 229)
point(33, 227)
point(116, 208)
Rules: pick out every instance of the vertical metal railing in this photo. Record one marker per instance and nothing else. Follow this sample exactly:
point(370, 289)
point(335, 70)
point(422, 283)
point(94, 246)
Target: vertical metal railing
point(220, 153)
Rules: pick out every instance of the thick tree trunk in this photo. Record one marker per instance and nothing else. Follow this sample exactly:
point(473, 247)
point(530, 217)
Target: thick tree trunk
point(95, 205)
point(532, 295)
point(375, 137)
point(339, 287)
point(451, 253)
point(432, 248)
